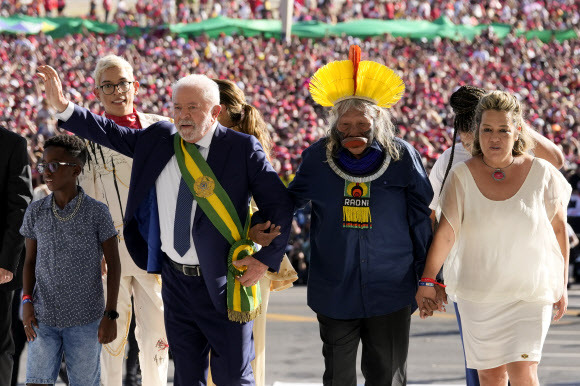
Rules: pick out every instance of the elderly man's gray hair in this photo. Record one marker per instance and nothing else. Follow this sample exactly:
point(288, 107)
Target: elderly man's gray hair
point(210, 91)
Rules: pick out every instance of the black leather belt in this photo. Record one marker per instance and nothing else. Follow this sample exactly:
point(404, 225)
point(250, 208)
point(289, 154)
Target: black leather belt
point(187, 270)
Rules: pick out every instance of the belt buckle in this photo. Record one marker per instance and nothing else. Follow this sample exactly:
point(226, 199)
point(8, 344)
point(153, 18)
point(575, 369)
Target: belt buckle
point(191, 270)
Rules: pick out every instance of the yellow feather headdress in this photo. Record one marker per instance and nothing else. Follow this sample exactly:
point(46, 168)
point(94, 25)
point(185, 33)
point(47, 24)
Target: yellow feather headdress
point(346, 79)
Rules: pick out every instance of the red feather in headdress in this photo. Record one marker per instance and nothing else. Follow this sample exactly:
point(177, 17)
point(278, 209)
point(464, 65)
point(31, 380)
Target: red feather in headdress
point(354, 56)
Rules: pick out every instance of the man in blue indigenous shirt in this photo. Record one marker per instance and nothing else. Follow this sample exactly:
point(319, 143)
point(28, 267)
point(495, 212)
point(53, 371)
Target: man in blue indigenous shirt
point(67, 234)
point(370, 227)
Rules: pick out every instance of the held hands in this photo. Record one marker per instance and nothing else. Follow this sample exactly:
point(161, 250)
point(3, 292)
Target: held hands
point(561, 306)
point(258, 233)
point(441, 298)
point(255, 270)
point(107, 330)
point(53, 88)
point(429, 300)
point(29, 320)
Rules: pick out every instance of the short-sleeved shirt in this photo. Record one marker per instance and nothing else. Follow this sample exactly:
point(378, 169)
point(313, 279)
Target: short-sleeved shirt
point(68, 290)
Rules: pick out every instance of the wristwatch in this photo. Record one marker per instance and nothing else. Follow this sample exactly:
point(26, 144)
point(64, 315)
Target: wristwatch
point(112, 314)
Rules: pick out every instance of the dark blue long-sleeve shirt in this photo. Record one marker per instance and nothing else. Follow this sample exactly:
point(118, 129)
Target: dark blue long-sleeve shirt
point(358, 273)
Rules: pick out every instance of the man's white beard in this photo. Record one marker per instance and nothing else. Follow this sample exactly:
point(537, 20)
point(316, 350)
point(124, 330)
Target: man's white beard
point(196, 131)
point(188, 135)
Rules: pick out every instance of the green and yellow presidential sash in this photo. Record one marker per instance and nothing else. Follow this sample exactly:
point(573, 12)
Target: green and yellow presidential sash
point(244, 303)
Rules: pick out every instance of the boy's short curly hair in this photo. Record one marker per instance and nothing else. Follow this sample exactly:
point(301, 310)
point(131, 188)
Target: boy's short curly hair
point(72, 144)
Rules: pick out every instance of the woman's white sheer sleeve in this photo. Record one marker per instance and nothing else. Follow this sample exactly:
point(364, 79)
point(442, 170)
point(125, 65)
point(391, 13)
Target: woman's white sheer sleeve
point(557, 193)
point(452, 200)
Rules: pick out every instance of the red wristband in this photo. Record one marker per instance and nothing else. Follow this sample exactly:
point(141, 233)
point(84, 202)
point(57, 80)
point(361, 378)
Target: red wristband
point(24, 297)
point(429, 280)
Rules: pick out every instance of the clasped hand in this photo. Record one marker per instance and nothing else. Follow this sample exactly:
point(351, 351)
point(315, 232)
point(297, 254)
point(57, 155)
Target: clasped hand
point(430, 299)
point(262, 234)
point(255, 270)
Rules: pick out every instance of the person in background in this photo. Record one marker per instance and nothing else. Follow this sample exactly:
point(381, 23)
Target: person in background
point(240, 116)
point(107, 9)
point(106, 177)
point(15, 195)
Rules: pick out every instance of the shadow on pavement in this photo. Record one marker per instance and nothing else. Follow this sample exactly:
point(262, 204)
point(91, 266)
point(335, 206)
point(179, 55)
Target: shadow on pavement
point(436, 333)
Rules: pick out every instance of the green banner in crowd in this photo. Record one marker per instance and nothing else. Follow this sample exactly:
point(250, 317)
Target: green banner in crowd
point(56, 27)
point(415, 29)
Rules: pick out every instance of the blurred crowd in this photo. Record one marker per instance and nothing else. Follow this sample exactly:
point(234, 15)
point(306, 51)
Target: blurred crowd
point(275, 76)
point(522, 14)
point(527, 14)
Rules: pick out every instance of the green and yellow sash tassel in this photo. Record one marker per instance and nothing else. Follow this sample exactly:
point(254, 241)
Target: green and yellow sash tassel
point(244, 303)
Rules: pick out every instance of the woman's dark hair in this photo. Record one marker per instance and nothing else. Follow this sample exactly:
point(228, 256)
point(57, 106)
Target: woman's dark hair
point(71, 143)
point(463, 102)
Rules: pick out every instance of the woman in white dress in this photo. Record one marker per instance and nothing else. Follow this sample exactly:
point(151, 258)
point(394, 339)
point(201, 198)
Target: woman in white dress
point(464, 102)
point(504, 221)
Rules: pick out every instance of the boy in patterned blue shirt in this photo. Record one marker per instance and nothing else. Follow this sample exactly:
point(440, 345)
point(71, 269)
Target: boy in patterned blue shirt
point(67, 234)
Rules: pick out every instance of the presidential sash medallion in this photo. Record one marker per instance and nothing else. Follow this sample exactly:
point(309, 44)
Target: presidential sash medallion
point(204, 186)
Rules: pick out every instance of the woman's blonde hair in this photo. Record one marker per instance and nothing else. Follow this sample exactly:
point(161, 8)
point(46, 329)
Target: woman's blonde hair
point(244, 117)
point(383, 127)
point(506, 102)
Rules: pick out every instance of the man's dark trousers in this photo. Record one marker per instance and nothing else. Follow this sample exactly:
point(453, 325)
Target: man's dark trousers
point(385, 341)
point(6, 343)
point(194, 328)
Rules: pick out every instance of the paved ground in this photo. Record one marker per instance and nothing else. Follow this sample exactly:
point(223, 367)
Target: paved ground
point(435, 356)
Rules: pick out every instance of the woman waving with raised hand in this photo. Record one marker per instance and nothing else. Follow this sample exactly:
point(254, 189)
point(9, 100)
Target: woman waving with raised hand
point(504, 221)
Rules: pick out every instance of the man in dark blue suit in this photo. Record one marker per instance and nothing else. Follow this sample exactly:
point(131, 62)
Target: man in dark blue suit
point(15, 195)
point(193, 268)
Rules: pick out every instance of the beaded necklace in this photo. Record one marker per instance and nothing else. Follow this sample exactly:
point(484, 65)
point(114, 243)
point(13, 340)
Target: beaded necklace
point(356, 210)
